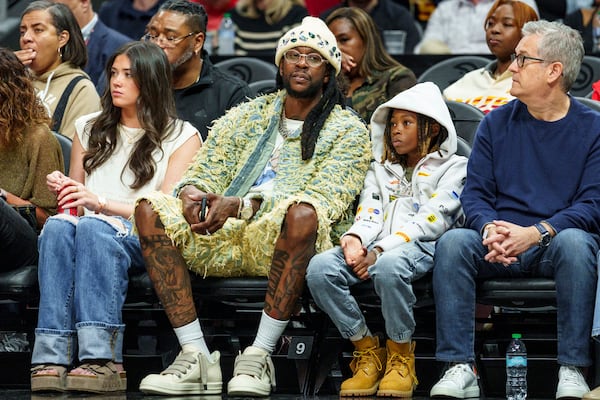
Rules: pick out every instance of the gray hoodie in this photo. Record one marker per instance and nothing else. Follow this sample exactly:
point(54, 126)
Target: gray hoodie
point(393, 211)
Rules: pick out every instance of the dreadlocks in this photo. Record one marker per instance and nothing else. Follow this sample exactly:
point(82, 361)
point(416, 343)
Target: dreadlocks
point(427, 143)
point(320, 112)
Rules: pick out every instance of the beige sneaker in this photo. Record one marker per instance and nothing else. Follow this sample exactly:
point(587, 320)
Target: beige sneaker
point(253, 374)
point(190, 373)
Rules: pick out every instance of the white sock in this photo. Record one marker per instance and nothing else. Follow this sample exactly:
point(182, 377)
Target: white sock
point(191, 339)
point(269, 332)
point(362, 332)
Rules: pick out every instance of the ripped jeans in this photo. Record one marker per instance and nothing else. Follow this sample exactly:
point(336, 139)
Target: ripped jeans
point(83, 277)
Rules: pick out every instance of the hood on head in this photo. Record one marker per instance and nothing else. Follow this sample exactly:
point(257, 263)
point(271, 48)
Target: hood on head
point(423, 98)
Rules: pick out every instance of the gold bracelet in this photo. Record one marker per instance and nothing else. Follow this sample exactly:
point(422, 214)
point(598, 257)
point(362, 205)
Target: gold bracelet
point(101, 205)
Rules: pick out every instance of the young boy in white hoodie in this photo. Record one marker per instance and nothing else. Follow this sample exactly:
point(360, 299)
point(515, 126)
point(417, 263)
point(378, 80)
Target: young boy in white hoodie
point(409, 199)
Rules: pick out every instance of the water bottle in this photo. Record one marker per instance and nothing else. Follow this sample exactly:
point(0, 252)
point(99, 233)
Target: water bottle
point(516, 369)
point(226, 36)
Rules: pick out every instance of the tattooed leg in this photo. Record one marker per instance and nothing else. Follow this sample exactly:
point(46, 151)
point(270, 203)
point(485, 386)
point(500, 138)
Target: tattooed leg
point(293, 250)
point(166, 267)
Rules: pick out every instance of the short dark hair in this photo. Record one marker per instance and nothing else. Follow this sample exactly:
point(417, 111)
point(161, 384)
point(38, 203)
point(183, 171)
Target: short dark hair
point(63, 19)
point(197, 19)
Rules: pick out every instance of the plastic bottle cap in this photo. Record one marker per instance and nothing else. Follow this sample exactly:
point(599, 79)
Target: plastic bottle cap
point(516, 336)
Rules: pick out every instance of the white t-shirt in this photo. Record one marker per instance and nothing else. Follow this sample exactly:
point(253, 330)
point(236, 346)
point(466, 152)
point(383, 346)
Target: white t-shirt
point(111, 180)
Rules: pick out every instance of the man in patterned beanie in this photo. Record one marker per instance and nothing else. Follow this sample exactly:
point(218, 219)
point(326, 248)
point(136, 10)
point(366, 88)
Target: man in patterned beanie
point(278, 175)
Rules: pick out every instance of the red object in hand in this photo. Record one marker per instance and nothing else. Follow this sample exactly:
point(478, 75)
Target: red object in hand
point(67, 210)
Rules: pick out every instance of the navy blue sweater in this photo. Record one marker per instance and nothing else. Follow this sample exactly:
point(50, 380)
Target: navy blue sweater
point(523, 170)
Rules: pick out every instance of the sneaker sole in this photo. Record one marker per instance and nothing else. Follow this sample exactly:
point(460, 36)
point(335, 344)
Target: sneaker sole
point(181, 388)
point(244, 385)
point(468, 393)
point(570, 394)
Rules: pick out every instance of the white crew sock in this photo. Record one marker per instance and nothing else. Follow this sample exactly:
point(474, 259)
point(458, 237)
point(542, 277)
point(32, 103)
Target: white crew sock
point(269, 332)
point(191, 339)
point(362, 332)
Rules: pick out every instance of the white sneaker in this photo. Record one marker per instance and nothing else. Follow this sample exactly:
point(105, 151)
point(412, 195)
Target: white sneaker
point(571, 383)
point(459, 381)
point(253, 374)
point(190, 373)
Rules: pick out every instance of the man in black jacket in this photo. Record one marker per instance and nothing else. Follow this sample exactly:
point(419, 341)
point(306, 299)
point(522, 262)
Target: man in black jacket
point(202, 92)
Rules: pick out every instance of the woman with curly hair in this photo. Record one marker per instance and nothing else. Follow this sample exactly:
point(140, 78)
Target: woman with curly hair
point(28, 152)
point(134, 145)
point(260, 23)
point(373, 76)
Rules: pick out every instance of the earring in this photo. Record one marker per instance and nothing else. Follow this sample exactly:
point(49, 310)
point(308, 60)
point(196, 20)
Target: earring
point(59, 53)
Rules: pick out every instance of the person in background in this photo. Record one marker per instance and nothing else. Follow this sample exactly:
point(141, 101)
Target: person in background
point(101, 41)
point(388, 17)
point(278, 174)
point(134, 145)
point(373, 76)
point(28, 152)
point(202, 92)
point(260, 23)
point(52, 46)
point(587, 21)
point(489, 87)
point(415, 180)
point(129, 17)
point(455, 27)
point(530, 201)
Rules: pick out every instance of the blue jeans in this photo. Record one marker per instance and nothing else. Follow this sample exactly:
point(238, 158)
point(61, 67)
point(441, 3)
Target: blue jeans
point(329, 279)
point(459, 262)
point(83, 284)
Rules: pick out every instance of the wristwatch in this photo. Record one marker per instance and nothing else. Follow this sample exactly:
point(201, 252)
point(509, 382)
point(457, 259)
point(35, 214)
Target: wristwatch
point(545, 237)
point(377, 252)
point(246, 211)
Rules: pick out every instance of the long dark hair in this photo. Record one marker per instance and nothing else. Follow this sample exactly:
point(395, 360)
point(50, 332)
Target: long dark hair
point(156, 112)
point(376, 57)
point(21, 108)
point(63, 19)
point(320, 112)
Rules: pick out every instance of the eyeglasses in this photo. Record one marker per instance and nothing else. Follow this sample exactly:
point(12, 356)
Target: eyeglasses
point(312, 59)
point(521, 59)
point(169, 40)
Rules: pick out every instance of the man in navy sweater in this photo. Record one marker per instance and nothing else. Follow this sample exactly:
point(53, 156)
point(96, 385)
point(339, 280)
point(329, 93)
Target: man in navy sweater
point(532, 203)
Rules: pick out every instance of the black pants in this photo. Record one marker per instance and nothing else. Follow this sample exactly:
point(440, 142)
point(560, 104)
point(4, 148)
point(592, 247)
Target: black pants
point(18, 241)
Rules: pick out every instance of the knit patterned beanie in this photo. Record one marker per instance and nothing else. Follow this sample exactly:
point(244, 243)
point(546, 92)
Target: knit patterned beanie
point(315, 34)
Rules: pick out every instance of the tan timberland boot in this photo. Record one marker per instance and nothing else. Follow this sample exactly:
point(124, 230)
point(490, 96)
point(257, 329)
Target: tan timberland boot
point(366, 366)
point(400, 378)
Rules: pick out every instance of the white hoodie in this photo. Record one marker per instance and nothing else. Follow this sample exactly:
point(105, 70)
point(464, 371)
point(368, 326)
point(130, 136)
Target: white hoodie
point(388, 219)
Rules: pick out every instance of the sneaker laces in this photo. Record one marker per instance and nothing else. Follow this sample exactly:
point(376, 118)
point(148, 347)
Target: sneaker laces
point(457, 371)
point(184, 362)
point(362, 357)
point(254, 365)
point(571, 376)
point(398, 362)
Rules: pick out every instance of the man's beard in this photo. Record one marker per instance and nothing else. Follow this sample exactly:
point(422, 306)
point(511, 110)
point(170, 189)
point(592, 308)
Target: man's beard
point(310, 92)
point(185, 57)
